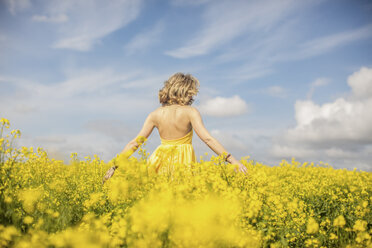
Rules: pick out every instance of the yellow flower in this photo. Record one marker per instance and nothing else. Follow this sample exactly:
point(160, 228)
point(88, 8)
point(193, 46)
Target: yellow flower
point(8, 232)
point(360, 225)
point(8, 199)
point(118, 190)
point(5, 122)
point(140, 140)
point(28, 219)
point(199, 205)
point(339, 221)
point(16, 133)
point(29, 198)
point(333, 236)
point(312, 226)
point(361, 236)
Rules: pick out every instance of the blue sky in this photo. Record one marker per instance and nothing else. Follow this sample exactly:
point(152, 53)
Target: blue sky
point(279, 79)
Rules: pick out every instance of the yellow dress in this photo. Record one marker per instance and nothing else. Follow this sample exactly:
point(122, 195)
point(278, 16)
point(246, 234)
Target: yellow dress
point(173, 152)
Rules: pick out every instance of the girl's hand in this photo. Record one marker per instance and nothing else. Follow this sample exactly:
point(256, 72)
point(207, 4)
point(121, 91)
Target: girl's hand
point(109, 174)
point(241, 167)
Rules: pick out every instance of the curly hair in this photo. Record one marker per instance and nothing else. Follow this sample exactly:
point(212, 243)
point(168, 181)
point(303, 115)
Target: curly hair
point(179, 89)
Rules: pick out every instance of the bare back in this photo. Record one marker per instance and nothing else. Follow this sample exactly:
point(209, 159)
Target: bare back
point(172, 121)
point(175, 121)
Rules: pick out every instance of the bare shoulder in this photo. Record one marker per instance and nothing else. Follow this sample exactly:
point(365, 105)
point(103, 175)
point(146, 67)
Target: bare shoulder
point(154, 114)
point(156, 111)
point(192, 110)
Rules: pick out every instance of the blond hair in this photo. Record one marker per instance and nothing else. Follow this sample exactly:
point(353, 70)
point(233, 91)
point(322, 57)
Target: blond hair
point(179, 89)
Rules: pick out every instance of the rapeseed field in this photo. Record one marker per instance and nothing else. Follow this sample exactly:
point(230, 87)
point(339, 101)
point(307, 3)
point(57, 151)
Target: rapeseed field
point(46, 203)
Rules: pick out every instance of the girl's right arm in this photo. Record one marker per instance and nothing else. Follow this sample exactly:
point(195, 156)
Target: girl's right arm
point(207, 138)
point(145, 132)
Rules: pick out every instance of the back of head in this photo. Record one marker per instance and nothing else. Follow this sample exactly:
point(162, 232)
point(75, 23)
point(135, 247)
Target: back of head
point(179, 89)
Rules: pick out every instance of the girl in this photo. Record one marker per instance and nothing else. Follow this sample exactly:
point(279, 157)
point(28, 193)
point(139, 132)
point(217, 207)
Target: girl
point(175, 120)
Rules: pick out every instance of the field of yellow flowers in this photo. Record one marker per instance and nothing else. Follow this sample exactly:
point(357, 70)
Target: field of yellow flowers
point(46, 203)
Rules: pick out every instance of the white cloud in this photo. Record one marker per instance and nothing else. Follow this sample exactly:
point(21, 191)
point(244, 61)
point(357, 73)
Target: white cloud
point(284, 151)
point(15, 6)
point(145, 82)
point(239, 139)
point(81, 24)
point(276, 91)
point(142, 41)
point(221, 26)
point(115, 129)
point(337, 130)
point(230, 141)
point(258, 44)
point(361, 83)
point(221, 106)
point(338, 121)
point(97, 83)
point(85, 81)
point(320, 82)
point(60, 146)
point(89, 82)
point(57, 18)
point(317, 83)
point(83, 94)
point(324, 44)
point(188, 2)
point(320, 45)
point(96, 108)
point(248, 72)
point(336, 152)
point(284, 44)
